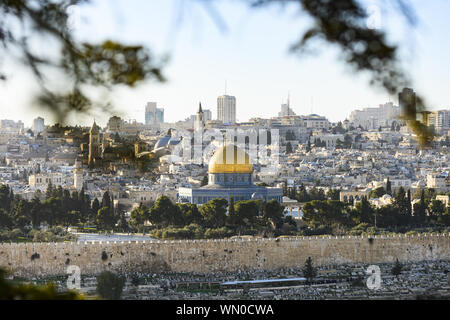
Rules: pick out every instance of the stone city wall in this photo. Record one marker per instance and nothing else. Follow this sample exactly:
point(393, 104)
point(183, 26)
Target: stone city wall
point(203, 256)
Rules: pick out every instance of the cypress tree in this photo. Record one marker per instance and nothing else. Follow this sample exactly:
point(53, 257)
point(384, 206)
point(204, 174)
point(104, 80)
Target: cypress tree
point(388, 187)
point(106, 200)
point(49, 191)
point(397, 269)
point(231, 206)
point(204, 181)
point(309, 271)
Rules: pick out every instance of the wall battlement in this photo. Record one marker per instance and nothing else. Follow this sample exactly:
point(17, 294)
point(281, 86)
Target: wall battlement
point(44, 259)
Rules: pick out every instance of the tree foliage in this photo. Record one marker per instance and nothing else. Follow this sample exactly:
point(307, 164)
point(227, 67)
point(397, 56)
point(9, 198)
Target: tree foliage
point(110, 285)
point(342, 23)
point(309, 271)
point(397, 269)
point(81, 64)
point(11, 291)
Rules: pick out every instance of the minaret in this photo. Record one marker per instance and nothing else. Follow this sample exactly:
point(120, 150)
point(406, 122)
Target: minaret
point(78, 175)
point(200, 120)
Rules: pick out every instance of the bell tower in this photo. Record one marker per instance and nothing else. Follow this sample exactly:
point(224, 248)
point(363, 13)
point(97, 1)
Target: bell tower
point(200, 120)
point(94, 144)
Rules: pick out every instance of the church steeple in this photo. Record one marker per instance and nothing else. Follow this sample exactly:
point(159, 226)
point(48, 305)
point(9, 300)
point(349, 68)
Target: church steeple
point(95, 128)
point(200, 119)
point(94, 144)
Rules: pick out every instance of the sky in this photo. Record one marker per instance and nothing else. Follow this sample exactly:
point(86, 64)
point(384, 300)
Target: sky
point(248, 49)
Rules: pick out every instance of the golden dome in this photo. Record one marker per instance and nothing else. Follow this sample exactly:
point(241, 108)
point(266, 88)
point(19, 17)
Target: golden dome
point(239, 164)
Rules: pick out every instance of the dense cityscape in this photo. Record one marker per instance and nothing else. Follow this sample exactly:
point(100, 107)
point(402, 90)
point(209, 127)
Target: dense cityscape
point(365, 175)
point(126, 177)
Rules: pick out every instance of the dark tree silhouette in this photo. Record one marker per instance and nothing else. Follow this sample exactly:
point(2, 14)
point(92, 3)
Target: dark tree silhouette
point(397, 269)
point(83, 64)
point(309, 271)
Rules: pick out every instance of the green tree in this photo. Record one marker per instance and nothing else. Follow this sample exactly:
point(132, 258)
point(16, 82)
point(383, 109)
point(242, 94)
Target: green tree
point(21, 213)
point(420, 209)
point(436, 208)
point(52, 211)
point(289, 148)
point(165, 213)
point(309, 272)
point(317, 194)
point(214, 213)
point(428, 194)
point(138, 216)
point(273, 213)
point(204, 181)
point(190, 213)
point(110, 285)
point(36, 216)
point(347, 141)
point(319, 213)
point(73, 218)
point(49, 192)
point(377, 193)
point(5, 197)
point(5, 219)
point(293, 192)
point(365, 212)
point(122, 224)
point(397, 269)
point(13, 291)
point(303, 195)
point(231, 211)
point(388, 187)
point(308, 146)
point(334, 194)
point(245, 213)
point(106, 200)
point(94, 210)
point(402, 206)
point(105, 220)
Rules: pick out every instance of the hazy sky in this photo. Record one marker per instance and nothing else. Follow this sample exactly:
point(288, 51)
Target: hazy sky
point(249, 52)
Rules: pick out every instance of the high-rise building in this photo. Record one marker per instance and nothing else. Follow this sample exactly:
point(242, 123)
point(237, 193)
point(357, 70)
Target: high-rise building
point(12, 126)
point(38, 125)
point(407, 103)
point(226, 109)
point(207, 115)
point(159, 115)
point(153, 115)
point(373, 118)
point(442, 120)
point(438, 120)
